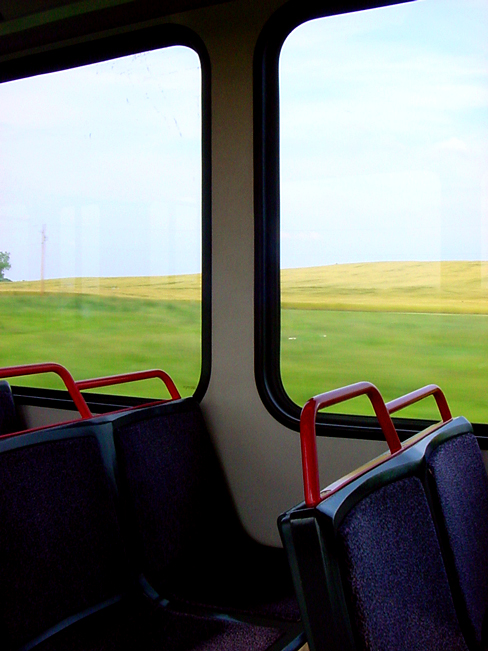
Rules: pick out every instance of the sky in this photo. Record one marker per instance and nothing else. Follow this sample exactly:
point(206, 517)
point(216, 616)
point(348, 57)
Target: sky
point(384, 135)
point(384, 150)
point(106, 160)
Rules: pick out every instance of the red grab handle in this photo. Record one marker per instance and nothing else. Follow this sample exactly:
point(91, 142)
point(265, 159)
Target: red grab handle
point(51, 367)
point(308, 440)
point(122, 378)
point(419, 394)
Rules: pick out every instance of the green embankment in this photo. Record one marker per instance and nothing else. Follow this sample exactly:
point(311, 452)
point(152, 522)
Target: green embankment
point(95, 336)
point(398, 352)
point(399, 325)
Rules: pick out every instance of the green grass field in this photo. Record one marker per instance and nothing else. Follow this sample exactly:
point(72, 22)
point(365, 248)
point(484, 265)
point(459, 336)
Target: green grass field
point(94, 336)
point(398, 352)
point(399, 325)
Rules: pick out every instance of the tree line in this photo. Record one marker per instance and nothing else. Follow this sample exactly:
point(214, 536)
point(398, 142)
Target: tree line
point(4, 264)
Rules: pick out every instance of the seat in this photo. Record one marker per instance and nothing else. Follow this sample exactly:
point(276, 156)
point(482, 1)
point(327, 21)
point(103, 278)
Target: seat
point(369, 570)
point(67, 580)
point(365, 556)
point(182, 522)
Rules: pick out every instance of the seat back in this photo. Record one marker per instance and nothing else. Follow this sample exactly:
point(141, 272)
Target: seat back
point(395, 581)
point(368, 568)
point(173, 490)
point(60, 547)
point(457, 484)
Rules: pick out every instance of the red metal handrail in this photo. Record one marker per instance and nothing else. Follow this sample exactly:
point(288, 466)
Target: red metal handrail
point(122, 378)
point(308, 440)
point(51, 367)
point(419, 394)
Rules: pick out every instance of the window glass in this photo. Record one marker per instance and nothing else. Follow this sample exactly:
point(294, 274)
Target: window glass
point(100, 219)
point(384, 204)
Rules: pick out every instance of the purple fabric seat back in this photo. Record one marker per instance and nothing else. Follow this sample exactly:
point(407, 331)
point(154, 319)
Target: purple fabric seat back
point(395, 580)
point(458, 484)
point(60, 545)
point(171, 486)
point(181, 522)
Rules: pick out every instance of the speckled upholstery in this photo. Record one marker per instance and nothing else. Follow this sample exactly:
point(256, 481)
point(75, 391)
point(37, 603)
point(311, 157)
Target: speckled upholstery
point(395, 579)
point(185, 530)
point(60, 547)
point(459, 487)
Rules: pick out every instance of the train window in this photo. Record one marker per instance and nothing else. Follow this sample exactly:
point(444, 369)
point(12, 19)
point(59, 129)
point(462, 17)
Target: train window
point(383, 203)
point(101, 218)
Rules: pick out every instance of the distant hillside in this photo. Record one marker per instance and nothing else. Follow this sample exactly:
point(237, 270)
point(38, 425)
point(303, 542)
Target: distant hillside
point(451, 287)
point(183, 288)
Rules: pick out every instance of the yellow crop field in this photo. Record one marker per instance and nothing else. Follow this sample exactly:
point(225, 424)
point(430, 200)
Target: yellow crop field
point(435, 287)
point(158, 288)
point(440, 287)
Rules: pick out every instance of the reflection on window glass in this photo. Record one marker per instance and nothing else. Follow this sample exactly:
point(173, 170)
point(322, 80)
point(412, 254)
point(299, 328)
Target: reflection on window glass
point(100, 219)
point(384, 201)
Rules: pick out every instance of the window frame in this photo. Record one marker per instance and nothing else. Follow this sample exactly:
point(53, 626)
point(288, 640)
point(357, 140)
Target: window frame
point(267, 229)
point(96, 49)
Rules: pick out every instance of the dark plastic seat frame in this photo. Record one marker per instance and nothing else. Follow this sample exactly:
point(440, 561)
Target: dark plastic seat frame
point(310, 531)
point(9, 418)
point(105, 430)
